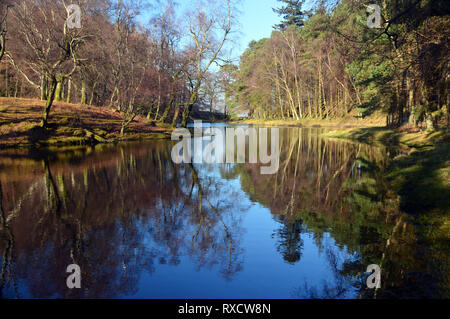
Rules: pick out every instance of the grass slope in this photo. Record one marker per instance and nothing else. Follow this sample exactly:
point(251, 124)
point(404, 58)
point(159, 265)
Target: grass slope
point(69, 124)
point(346, 122)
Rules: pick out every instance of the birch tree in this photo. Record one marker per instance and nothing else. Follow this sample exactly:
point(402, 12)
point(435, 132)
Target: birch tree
point(209, 29)
point(44, 47)
point(3, 27)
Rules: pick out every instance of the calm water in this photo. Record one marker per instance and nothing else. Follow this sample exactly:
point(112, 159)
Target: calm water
point(140, 226)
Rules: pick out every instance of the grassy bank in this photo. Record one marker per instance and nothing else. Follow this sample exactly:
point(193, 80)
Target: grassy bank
point(69, 124)
point(347, 122)
point(420, 175)
point(401, 137)
point(420, 171)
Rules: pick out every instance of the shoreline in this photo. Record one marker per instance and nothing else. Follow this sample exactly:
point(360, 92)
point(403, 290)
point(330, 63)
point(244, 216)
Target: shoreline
point(83, 125)
point(343, 123)
point(86, 141)
point(368, 131)
point(391, 137)
point(69, 125)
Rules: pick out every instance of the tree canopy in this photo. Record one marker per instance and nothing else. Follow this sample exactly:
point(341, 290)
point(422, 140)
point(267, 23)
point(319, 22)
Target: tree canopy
point(291, 12)
point(337, 66)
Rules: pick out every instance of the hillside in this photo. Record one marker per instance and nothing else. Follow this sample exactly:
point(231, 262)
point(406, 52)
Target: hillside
point(69, 124)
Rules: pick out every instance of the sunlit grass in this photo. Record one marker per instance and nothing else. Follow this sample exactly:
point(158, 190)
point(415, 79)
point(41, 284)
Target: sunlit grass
point(69, 124)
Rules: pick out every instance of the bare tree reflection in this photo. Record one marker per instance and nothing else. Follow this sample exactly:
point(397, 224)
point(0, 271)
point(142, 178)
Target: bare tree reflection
point(123, 211)
point(116, 214)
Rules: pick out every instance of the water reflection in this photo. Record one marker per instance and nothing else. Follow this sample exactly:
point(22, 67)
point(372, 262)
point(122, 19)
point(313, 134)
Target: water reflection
point(290, 244)
point(132, 219)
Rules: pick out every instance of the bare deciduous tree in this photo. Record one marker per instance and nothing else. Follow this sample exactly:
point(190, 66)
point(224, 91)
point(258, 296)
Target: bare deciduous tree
point(3, 28)
point(209, 29)
point(44, 48)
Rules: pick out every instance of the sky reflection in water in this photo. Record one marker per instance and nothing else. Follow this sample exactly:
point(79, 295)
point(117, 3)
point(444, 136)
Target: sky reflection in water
point(140, 226)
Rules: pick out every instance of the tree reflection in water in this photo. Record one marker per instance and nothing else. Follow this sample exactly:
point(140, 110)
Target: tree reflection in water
point(120, 212)
point(328, 187)
point(115, 214)
point(290, 243)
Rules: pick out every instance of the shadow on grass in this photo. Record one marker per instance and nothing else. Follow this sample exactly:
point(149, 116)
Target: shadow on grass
point(53, 134)
point(38, 133)
point(422, 180)
point(376, 134)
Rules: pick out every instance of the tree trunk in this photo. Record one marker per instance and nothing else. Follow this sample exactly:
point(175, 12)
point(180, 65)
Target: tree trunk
point(91, 100)
point(59, 88)
point(44, 87)
point(188, 107)
point(412, 115)
point(166, 111)
point(69, 89)
point(48, 105)
point(16, 90)
point(83, 92)
point(430, 122)
point(125, 124)
point(6, 82)
point(2, 45)
point(187, 111)
point(159, 98)
point(149, 113)
point(175, 116)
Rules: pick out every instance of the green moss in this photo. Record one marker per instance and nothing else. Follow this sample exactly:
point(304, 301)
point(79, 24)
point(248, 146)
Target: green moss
point(20, 126)
point(164, 125)
point(64, 140)
point(100, 132)
point(158, 136)
point(78, 132)
point(64, 130)
point(64, 121)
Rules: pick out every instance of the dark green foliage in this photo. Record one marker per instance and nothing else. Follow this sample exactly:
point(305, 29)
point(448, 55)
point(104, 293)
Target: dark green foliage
point(291, 13)
point(335, 65)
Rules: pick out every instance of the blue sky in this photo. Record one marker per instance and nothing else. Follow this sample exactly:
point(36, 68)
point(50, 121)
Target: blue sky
point(257, 19)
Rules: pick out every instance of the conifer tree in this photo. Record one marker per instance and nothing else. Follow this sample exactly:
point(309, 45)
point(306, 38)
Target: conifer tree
point(291, 13)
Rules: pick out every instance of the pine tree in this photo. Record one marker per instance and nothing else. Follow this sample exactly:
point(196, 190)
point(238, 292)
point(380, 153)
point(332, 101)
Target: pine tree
point(291, 13)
